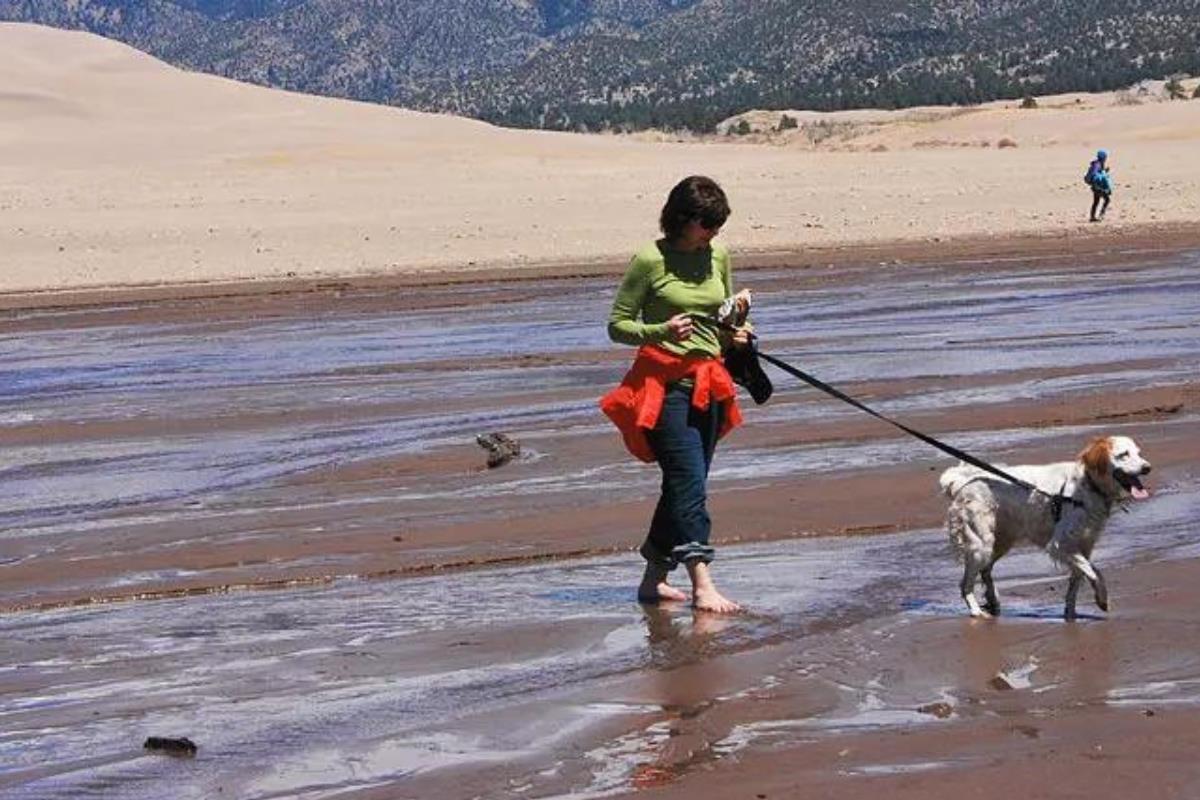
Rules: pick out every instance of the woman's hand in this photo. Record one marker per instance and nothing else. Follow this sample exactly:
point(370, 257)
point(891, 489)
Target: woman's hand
point(681, 327)
point(741, 338)
point(742, 301)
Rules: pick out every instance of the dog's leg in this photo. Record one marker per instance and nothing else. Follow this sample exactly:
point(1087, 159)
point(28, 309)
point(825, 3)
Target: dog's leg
point(1094, 576)
point(1072, 591)
point(965, 532)
point(991, 600)
point(970, 571)
point(1080, 563)
point(1101, 590)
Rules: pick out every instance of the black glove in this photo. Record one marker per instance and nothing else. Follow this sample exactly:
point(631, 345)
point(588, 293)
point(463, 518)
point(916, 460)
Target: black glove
point(743, 366)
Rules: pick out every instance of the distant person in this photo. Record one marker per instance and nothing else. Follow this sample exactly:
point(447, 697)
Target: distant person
point(1099, 178)
point(678, 398)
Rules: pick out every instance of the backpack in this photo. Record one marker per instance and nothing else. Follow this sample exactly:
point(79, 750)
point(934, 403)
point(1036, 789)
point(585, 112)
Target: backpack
point(1089, 177)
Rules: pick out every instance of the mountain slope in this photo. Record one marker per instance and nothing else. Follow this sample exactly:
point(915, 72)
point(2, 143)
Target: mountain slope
point(591, 64)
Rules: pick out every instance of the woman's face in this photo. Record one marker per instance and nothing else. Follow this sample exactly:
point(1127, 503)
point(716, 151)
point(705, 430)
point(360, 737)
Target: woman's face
point(695, 236)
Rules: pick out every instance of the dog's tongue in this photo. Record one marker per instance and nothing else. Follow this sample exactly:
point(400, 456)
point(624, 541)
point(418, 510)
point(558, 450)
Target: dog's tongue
point(1139, 493)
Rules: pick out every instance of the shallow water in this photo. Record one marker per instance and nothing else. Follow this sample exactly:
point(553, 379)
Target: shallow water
point(292, 693)
point(236, 406)
point(199, 429)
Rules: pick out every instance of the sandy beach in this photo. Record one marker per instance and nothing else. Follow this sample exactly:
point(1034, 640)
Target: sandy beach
point(119, 170)
point(249, 339)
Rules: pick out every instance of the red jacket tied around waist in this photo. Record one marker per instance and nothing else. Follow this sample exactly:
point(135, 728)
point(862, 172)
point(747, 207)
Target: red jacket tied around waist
point(634, 406)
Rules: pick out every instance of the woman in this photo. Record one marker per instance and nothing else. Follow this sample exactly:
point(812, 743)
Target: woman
point(1099, 178)
point(678, 398)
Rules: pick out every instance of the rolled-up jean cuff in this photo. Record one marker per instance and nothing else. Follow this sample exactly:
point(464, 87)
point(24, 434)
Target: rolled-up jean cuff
point(654, 556)
point(692, 551)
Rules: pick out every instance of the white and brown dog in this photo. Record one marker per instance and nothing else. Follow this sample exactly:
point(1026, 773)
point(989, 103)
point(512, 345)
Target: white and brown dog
point(989, 515)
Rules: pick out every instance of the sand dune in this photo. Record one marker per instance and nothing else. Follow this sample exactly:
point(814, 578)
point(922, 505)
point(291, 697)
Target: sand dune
point(1075, 119)
point(117, 169)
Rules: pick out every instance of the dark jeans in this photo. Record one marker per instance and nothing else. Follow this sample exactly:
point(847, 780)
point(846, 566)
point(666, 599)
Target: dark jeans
point(683, 442)
point(1097, 195)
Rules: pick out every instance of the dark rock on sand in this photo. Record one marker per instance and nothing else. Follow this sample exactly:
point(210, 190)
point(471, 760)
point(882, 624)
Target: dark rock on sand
point(940, 710)
point(1001, 683)
point(170, 746)
point(501, 448)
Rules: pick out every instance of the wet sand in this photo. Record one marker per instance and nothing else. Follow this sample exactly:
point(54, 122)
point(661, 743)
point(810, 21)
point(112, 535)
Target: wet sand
point(1024, 707)
point(195, 445)
point(855, 672)
point(430, 627)
point(811, 262)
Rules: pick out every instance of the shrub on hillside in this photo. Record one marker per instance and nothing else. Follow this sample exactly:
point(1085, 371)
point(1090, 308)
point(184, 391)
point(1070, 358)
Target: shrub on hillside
point(1006, 142)
point(787, 123)
point(1174, 90)
point(1029, 102)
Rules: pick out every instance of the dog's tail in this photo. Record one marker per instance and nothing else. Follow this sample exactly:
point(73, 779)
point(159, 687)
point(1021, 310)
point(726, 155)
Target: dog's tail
point(957, 477)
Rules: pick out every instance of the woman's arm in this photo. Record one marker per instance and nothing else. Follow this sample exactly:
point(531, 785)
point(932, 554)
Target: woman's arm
point(742, 298)
point(625, 324)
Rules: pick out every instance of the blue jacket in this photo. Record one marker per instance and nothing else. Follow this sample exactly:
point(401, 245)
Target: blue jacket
point(1097, 177)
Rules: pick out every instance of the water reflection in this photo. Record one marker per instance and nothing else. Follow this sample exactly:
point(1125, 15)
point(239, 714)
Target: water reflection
point(679, 636)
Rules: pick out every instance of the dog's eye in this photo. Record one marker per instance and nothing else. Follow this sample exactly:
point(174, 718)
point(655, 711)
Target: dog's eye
point(1120, 456)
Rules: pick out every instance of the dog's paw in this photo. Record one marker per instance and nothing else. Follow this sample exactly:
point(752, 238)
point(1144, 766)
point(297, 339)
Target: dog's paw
point(974, 609)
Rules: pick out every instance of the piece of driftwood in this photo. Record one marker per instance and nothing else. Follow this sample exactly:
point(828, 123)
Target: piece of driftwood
point(501, 448)
point(170, 746)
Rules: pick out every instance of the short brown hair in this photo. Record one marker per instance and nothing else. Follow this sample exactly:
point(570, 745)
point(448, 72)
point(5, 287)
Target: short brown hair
point(694, 199)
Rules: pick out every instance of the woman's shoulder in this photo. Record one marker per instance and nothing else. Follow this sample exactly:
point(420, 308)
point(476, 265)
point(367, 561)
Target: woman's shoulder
point(720, 256)
point(649, 256)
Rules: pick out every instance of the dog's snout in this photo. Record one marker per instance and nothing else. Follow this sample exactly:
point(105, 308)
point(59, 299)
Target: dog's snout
point(1146, 469)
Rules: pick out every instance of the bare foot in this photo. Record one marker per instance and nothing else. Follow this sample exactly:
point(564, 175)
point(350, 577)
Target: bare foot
point(710, 600)
point(705, 596)
point(659, 592)
point(655, 589)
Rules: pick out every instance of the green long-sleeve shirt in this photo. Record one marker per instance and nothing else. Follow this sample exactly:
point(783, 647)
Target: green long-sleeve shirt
point(661, 283)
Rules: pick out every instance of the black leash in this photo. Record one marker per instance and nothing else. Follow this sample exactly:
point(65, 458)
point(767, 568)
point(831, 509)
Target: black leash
point(1056, 500)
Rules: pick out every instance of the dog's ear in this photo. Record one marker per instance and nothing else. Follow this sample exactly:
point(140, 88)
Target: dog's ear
point(1097, 456)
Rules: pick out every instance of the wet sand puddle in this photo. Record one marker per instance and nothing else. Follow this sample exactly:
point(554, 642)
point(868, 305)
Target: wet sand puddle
point(537, 681)
point(126, 440)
